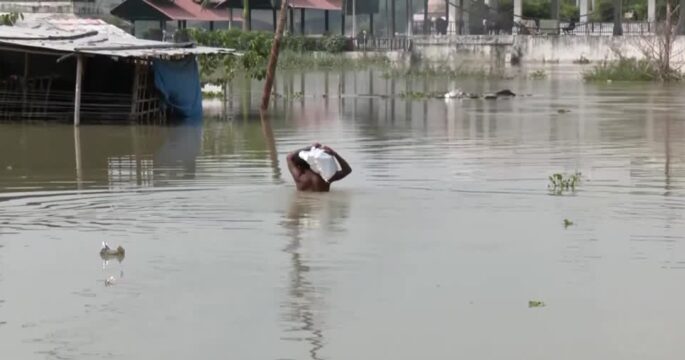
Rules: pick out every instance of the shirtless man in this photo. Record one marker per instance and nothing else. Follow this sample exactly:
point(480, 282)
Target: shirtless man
point(308, 180)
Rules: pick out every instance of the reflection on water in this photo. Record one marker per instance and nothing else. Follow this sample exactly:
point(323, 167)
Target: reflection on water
point(309, 214)
point(431, 249)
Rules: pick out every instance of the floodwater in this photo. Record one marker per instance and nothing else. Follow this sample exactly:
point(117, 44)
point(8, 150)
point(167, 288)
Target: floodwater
point(431, 249)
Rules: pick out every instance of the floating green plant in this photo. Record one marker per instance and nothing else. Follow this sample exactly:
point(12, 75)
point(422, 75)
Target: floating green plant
point(536, 304)
point(567, 223)
point(559, 183)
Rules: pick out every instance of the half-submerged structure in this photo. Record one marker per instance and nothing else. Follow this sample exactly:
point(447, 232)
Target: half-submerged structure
point(96, 72)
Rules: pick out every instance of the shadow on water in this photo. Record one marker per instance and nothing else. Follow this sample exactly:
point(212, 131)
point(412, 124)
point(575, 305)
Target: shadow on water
point(310, 217)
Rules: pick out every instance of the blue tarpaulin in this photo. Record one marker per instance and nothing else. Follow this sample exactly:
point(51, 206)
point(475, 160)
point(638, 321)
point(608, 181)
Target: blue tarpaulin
point(178, 81)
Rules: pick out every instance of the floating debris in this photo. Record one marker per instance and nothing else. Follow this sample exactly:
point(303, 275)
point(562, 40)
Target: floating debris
point(558, 183)
point(107, 252)
point(536, 304)
point(505, 93)
point(567, 223)
point(110, 281)
point(460, 94)
point(563, 111)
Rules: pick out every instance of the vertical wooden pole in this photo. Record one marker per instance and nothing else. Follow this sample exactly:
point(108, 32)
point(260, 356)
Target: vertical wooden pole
point(211, 26)
point(25, 83)
point(77, 92)
point(292, 21)
point(134, 93)
point(326, 22)
point(77, 158)
point(342, 23)
point(273, 58)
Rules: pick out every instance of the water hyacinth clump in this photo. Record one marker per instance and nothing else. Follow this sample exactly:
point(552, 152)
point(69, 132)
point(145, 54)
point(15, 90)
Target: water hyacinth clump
point(559, 183)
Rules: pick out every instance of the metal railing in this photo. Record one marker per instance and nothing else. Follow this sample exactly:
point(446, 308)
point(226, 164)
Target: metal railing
point(396, 43)
point(589, 28)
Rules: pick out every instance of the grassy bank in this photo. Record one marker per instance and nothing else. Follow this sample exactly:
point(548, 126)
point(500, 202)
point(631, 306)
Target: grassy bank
point(630, 69)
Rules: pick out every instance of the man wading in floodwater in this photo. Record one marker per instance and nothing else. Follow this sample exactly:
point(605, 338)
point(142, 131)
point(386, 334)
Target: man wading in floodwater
point(306, 179)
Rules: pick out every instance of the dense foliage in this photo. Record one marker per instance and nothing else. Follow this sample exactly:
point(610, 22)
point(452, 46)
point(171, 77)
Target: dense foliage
point(11, 18)
point(628, 69)
point(255, 47)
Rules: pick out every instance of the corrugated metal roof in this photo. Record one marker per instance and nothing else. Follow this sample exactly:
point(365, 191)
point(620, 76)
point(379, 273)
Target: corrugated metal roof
point(170, 10)
point(335, 5)
point(99, 39)
point(187, 10)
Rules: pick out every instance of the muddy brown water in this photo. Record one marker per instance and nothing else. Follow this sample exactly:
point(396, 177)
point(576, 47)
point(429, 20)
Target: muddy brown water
point(431, 249)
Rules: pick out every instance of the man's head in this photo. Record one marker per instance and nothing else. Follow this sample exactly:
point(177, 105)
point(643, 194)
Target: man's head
point(300, 163)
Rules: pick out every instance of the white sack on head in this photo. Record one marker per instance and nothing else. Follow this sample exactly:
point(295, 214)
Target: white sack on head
point(320, 162)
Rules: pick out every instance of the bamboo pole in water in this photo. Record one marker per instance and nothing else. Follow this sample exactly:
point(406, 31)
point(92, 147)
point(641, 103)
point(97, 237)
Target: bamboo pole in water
point(273, 58)
point(77, 94)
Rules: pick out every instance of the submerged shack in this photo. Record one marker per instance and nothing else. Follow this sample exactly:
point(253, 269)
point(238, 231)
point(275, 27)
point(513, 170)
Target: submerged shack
point(96, 73)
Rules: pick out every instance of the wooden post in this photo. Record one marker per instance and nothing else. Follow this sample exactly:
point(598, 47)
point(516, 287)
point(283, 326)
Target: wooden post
point(326, 22)
point(273, 58)
point(133, 27)
point(25, 83)
point(211, 26)
point(342, 23)
point(77, 92)
point(302, 28)
point(133, 116)
point(77, 158)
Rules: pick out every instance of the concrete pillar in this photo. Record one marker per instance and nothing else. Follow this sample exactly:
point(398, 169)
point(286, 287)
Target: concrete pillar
point(410, 18)
point(518, 11)
point(651, 10)
point(618, 17)
point(554, 10)
point(393, 11)
point(583, 11)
